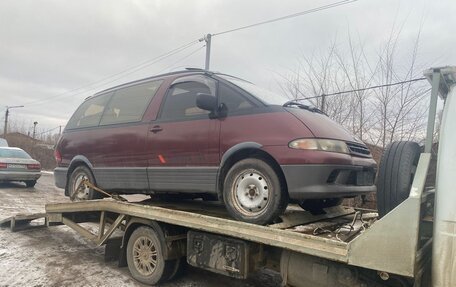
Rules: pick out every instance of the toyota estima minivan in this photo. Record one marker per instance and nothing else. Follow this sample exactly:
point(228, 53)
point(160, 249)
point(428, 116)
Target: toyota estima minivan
point(197, 133)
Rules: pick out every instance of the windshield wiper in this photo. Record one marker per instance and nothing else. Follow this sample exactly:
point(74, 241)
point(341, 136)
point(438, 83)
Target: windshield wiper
point(304, 107)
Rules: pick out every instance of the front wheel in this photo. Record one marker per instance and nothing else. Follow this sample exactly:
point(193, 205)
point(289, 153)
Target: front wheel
point(253, 192)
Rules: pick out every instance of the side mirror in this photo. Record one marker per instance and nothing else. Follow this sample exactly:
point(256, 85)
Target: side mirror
point(206, 102)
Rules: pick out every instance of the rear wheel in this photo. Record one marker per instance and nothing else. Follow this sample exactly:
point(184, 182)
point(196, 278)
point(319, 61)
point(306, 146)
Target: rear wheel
point(396, 173)
point(79, 191)
point(145, 257)
point(253, 192)
point(30, 183)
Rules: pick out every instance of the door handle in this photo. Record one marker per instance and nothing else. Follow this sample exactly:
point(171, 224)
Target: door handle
point(156, 129)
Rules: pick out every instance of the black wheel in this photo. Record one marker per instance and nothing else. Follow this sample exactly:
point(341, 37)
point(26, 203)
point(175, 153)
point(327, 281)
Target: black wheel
point(78, 191)
point(316, 206)
point(396, 173)
point(30, 183)
point(145, 257)
point(253, 192)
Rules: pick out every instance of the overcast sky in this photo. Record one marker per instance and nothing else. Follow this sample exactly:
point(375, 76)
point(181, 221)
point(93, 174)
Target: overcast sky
point(50, 48)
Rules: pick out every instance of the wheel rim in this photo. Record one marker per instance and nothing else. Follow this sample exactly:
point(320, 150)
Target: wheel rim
point(251, 192)
point(145, 256)
point(80, 191)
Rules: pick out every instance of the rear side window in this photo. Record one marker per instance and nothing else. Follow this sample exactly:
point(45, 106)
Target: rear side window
point(89, 113)
point(129, 104)
point(180, 101)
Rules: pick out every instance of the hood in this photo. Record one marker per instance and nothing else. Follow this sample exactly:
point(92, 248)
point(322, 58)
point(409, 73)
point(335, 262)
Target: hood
point(322, 126)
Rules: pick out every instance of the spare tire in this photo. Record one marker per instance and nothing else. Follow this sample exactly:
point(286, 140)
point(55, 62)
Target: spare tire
point(396, 173)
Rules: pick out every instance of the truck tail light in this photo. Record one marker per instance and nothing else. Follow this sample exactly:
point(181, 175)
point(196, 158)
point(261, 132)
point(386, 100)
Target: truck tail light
point(57, 156)
point(3, 165)
point(34, 166)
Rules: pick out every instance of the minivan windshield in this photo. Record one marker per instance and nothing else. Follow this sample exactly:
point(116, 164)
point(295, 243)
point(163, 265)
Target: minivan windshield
point(265, 96)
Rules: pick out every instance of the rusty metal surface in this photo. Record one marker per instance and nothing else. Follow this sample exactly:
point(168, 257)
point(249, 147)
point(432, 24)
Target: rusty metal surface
point(297, 216)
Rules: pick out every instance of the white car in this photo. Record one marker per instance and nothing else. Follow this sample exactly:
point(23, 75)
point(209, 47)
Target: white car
point(17, 165)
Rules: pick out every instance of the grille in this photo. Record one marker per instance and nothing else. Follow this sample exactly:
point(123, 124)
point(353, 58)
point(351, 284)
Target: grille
point(358, 149)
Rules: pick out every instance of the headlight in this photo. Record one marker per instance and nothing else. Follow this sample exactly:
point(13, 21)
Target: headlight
point(320, 144)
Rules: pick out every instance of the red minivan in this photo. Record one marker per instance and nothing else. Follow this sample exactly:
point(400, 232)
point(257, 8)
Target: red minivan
point(197, 133)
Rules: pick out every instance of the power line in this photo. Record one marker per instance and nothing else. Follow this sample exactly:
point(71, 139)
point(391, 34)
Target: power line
point(48, 130)
point(313, 10)
point(362, 89)
point(123, 73)
point(183, 58)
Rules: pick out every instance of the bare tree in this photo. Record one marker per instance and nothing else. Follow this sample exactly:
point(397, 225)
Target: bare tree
point(378, 116)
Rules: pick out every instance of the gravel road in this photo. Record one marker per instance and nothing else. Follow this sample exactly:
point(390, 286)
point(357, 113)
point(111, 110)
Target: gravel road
point(57, 256)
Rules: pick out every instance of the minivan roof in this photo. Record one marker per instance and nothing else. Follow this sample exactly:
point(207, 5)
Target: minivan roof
point(190, 71)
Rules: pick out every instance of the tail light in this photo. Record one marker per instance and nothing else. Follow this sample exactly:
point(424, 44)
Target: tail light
point(34, 166)
point(57, 156)
point(3, 165)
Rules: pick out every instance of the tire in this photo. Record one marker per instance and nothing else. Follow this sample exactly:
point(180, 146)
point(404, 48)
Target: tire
point(396, 173)
point(152, 268)
point(178, 268)
point(253, 192)
point(79, 173)
point(30, 183)
point(315, 206)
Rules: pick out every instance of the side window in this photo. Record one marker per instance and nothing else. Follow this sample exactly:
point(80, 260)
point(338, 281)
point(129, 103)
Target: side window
point(129, 104)
point(233, 100)
point(180, 101)
point(89, 113)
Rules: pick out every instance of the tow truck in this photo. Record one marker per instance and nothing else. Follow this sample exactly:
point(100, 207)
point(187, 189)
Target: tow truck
point(411, 245)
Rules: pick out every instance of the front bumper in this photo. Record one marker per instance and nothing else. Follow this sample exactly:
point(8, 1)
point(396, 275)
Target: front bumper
point(19, 175)
point(313, 181)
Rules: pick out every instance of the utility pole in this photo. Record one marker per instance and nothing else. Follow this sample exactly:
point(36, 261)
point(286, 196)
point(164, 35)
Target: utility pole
point(323, 103)
point(34, 128)
point(5, 128)
point(60, 130)
point(207, 39)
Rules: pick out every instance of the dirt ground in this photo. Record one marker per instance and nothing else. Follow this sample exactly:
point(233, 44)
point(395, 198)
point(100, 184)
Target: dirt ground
point(57, 256)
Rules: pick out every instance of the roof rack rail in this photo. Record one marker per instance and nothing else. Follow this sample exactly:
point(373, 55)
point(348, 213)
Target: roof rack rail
point(195, 69)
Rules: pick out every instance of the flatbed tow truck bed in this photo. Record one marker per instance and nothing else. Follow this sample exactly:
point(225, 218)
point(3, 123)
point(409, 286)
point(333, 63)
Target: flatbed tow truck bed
point(299, 230)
